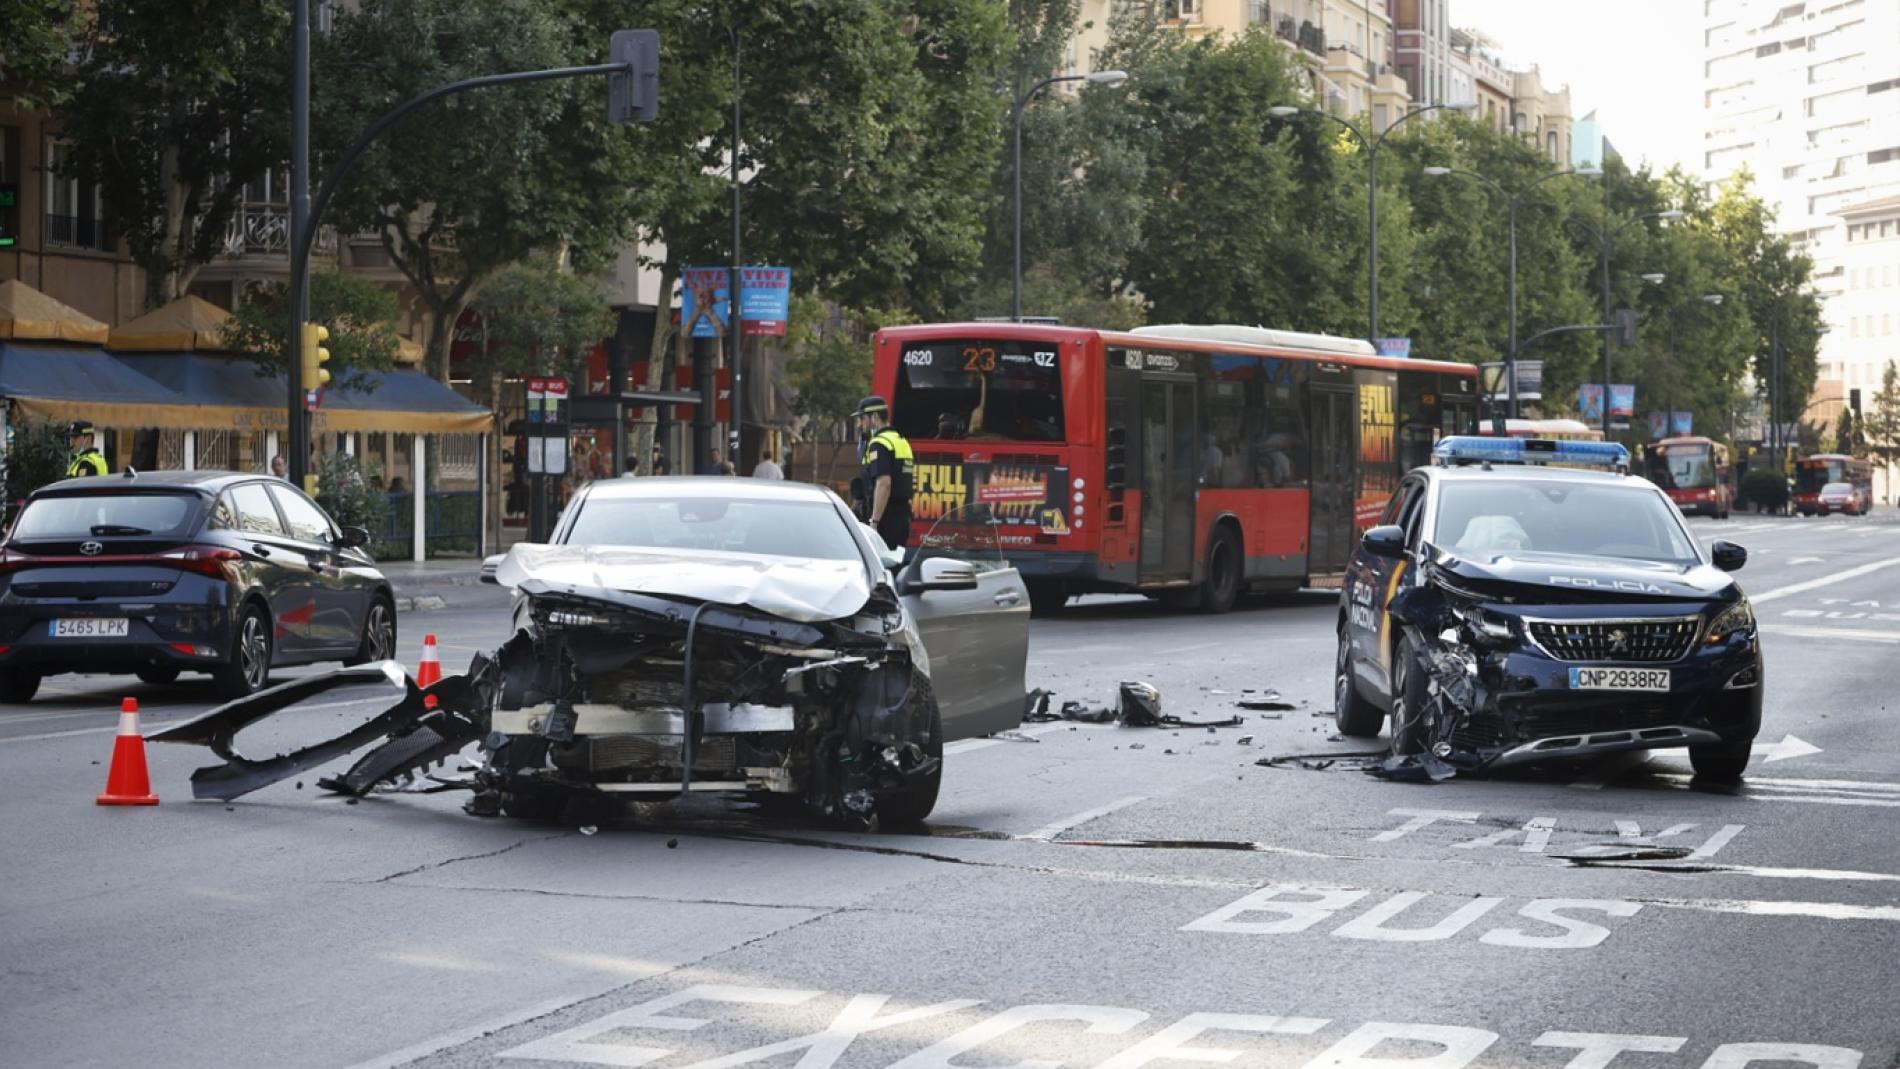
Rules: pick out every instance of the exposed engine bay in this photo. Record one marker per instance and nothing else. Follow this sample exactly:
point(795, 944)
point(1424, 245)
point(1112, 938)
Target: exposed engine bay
point(605, 692)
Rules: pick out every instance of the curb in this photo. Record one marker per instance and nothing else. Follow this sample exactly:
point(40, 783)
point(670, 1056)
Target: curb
point(420, 603)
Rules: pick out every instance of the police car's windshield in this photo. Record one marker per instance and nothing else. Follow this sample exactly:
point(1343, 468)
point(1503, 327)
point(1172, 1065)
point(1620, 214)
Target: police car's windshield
point(1601, 520)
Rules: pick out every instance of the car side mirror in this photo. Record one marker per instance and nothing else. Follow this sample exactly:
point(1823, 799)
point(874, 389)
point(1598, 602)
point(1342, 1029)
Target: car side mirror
point(1727, 555)
point(1386, 540)
point(353, 537)
point(489, 566)
point(942, 573)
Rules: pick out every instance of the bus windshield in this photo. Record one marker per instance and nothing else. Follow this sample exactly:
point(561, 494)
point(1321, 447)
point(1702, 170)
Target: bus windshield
point(1683, 467)
point(979, 390)
point(1812, 474)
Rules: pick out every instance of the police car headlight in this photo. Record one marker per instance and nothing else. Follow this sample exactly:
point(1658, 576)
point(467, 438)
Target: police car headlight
point(1737, 619)
point(1487, 624)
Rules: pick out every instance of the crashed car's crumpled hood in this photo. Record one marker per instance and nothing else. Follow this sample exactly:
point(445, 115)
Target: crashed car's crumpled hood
point(795, 588)
point(1607, 576)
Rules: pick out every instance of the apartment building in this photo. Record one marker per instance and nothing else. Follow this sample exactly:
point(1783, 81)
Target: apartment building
point(1422, 51)
point(1806, 96)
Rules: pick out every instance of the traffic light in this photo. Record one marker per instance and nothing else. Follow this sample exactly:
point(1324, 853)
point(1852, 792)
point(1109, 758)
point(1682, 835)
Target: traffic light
point(1625, 326)
point(315, 356)
point(633, 94)
point(1853, 400)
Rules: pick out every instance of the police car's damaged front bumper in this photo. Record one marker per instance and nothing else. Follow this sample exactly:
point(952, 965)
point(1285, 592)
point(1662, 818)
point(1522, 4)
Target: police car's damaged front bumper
point(1497, 697)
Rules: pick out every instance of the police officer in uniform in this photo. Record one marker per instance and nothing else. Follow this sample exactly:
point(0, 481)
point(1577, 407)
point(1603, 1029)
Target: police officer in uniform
point(889, 472)
point(87, 460)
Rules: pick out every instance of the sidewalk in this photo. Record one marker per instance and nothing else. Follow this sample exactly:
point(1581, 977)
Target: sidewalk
point(422, 587)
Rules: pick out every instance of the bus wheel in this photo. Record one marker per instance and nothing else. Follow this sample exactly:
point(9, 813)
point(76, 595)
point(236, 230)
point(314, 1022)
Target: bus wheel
point(1221, 588)
point(1046, 598)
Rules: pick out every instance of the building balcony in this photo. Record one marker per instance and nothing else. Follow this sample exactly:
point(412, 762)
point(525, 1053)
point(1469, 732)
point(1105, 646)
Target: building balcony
point(262, 230)
point(77, 232)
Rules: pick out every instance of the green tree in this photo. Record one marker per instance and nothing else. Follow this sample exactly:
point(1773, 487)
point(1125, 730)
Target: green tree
point(1881, 420)
point(1847, 435)
point(38, 41)
point(541, 320)
point(175, 105)
point(359, 314)
point(829, 369)
point(496, 176)
point(1772, 279)
point(37, 454)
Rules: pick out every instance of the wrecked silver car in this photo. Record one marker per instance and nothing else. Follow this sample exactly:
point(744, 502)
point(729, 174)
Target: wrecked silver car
point(689, 635)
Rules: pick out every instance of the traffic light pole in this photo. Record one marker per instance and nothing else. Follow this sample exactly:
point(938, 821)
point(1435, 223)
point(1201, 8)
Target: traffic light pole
point(640, 103)
point(297, 434)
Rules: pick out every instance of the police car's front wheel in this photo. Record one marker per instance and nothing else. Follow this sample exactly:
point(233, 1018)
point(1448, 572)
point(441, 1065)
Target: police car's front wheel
point(1721, 760)
point(1351, 713)
point(1409, 700)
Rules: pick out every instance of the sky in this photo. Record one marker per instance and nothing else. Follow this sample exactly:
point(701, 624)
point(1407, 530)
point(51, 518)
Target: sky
point(1638, 63)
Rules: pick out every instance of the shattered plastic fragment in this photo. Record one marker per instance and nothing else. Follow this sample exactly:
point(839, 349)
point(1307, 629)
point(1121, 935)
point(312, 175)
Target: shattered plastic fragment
point(588, 829)
point(1244, 740)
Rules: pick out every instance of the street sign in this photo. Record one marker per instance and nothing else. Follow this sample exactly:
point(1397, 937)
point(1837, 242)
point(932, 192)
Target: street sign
point(1530, 380)
point(704, 296)
point(547, 426)
point(765, 299)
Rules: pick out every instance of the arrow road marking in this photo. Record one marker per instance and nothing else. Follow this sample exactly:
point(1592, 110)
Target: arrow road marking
point(1788, 747)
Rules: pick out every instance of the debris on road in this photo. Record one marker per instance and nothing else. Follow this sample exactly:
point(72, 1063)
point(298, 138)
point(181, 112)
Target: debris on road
point(1244, 740)
point(1269, 702)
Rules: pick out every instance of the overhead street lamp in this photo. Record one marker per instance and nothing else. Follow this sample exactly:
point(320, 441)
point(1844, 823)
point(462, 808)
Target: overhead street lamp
point(1511, 198)
point(1710, 299)
point(1372, 144)
point(1016, 173)
point(1606, 241)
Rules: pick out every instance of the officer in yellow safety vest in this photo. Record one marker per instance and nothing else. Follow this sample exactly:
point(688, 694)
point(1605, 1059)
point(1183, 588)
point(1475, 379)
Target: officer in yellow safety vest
point(890, 472)
point(87, 460)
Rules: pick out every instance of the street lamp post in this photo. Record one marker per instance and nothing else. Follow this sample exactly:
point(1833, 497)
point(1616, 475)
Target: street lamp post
point(1016, 173)
point(1711, 299)
point(1511, 198)
point(1371, 144)
point(1606, 241)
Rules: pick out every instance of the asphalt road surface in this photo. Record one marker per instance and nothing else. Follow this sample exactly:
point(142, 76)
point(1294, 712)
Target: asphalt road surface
point(1089, 898)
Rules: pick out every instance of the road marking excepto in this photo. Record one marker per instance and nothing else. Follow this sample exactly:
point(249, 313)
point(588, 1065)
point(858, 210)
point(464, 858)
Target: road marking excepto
point(1826, 580)
point(1051, 830)
point(473, 1032)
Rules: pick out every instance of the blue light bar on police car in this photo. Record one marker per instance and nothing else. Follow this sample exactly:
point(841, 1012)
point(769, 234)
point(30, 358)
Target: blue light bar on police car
point(1472, 450)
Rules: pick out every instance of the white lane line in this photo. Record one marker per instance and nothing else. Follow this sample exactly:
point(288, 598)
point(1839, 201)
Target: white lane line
point(1050, 831)
point(966, 745)
point(1851, 634)
point(1807, 560)
point(1839, 911)
point(1826, 580)
point(59, 735)
point(476, 1031)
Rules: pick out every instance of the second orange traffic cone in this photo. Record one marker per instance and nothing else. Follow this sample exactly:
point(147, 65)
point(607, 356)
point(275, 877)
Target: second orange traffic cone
point(429, 672)
point(127, 783)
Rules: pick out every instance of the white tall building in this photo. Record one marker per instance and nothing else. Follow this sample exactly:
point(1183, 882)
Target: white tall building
point(1807, 97)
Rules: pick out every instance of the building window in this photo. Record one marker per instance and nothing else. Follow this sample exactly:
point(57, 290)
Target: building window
point(9, 186)
point(74, 213)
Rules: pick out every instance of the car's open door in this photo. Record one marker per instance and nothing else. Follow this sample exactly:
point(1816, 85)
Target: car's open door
point(973, 613)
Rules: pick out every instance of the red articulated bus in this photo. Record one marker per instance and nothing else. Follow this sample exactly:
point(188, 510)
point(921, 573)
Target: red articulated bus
point(1813, 473)
point(1695, 473)
point(1184, 461)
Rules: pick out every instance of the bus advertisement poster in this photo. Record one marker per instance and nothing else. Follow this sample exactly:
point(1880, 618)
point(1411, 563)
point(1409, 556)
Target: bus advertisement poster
point(1378, 451)
point(1024, 499)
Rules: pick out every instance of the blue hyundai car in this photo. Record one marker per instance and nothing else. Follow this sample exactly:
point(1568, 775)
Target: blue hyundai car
point(161, 573)
point(1524, 600)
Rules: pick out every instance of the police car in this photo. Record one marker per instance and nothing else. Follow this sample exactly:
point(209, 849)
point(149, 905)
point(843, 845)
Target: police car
point(1528, 599)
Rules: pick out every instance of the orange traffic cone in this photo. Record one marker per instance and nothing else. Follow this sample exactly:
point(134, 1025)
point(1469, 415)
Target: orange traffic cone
point(429, 672)
point(127, 783)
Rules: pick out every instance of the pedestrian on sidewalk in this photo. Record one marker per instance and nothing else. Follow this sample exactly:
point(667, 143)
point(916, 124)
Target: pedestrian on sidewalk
point(767, 469)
